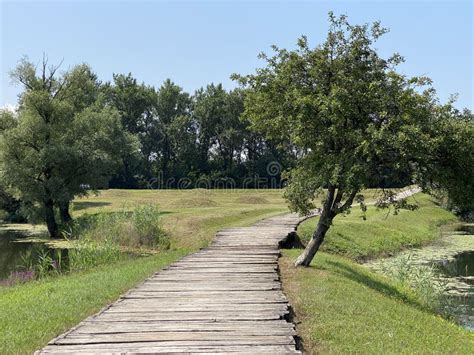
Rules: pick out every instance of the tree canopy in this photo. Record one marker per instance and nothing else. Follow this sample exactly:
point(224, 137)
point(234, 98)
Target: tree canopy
point(357, 120)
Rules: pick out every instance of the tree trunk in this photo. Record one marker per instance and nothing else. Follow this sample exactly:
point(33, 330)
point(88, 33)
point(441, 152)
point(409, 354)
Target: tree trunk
point(331, 208)
point(64, 212)
point(50, 219)
point(324, 223)
point(313, 246)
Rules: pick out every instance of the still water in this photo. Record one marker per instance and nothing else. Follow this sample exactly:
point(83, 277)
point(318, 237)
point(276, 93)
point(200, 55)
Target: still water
point(14, 246)
point(452, 257)
point(461, 265)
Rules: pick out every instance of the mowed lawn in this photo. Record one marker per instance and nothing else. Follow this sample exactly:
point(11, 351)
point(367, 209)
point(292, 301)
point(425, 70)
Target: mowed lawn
point(383, 232)
point(33, 313)
point(341, 307)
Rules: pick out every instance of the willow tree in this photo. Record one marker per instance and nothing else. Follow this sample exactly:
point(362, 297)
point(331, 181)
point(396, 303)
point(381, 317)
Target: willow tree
point(357, 119)
point(62, 142)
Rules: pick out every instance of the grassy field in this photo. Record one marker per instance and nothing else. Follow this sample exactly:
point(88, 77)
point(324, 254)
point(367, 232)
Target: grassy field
point(342, 307)
point(33, 313)
point(382, 233)
point(191, 217)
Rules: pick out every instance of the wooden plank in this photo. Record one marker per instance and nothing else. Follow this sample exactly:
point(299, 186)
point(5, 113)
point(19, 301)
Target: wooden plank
point(175, 348)
point(277, 327)
point(243, 308)
point(175, 316)
point(188, 338)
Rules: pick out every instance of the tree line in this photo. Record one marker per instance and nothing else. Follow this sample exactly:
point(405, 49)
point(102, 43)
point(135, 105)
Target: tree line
point(72, 134)
point(333, 119)
point(189, 138)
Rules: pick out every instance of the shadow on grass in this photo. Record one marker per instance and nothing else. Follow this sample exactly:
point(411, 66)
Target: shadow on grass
point(373, 283)
point(111, 213)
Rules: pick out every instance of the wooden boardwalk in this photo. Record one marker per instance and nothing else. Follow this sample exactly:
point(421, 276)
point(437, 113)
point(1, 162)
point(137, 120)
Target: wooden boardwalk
point(225, 298)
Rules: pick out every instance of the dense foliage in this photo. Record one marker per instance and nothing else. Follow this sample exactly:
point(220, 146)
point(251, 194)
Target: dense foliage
point(448, 171)
point(62, 142)
point(190, 140)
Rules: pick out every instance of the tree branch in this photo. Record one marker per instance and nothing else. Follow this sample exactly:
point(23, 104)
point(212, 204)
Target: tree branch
point(348, 202)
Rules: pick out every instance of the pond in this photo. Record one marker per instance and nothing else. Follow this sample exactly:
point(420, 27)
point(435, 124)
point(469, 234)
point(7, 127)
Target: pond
point(452, 258)
point(15, 244)
point(461, 265)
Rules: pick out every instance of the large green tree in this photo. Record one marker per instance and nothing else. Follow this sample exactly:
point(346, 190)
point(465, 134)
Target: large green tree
point(355, 118)
point(448, 171)
point(209, 108)
point(63, 142)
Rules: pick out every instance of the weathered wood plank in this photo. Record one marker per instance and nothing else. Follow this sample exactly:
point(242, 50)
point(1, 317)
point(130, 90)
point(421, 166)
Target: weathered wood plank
point(236, 315)
point(264, 327)
point(156, 347)
point(187, 338)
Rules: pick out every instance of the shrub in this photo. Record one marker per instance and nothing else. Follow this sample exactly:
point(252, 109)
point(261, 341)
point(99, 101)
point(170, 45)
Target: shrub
point(88, 254)
point(147, 226)
point(138, 228)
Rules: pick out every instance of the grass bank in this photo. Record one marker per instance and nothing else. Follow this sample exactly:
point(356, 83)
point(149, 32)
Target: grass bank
point(342, 307)
point(382, 233)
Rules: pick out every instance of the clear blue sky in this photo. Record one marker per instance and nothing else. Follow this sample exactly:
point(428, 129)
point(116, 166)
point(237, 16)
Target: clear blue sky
point(198, 42)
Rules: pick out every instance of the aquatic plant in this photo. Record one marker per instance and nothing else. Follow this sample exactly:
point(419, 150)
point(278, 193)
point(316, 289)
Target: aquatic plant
point(42, 261)
point(423, 279)
point(88, 254)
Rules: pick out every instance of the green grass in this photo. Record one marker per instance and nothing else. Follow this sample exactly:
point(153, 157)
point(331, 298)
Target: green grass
point(32, 314)
point(382, 233)
point(343, 308)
